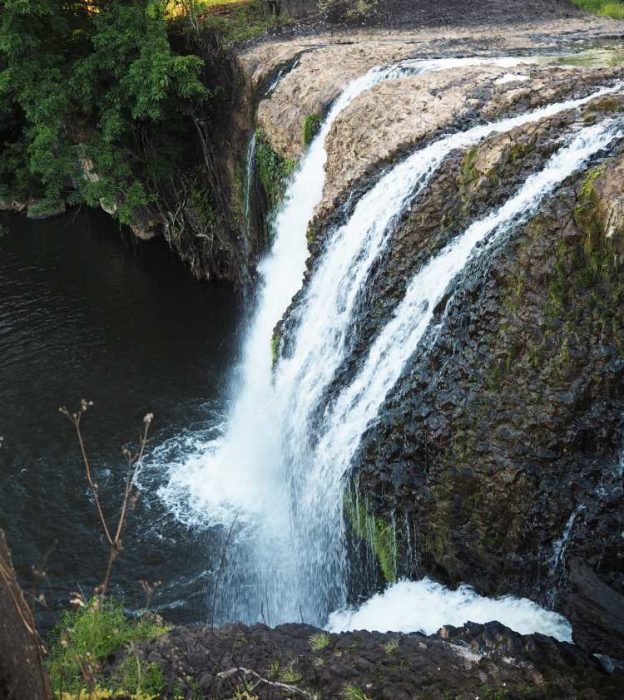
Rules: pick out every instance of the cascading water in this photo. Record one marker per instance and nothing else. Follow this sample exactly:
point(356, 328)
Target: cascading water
point(236, 475)
point(316, 472)
point(250, 166)
point(273, 468)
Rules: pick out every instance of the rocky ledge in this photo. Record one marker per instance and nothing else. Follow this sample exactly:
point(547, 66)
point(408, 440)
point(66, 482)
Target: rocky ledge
point(300, 661)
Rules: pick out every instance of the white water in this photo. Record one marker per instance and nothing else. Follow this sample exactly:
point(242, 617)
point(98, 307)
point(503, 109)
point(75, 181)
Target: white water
point(250, 165)
point(560, 546)
point(232, 474)
point(317, 471)
point(268, 468)
point(425, 606)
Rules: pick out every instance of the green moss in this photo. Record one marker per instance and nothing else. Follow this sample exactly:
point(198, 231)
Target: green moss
point(273, 171)
point(376, 531)
point(275, 343)
point(86, 638)
point(468, 163)
point(585, 211)
point(311, 126)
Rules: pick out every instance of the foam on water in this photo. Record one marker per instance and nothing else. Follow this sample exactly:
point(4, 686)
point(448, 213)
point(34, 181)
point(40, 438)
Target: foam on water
point(426, 606)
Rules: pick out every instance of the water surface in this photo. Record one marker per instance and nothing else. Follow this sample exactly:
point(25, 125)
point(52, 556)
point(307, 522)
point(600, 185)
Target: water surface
point(87, 312)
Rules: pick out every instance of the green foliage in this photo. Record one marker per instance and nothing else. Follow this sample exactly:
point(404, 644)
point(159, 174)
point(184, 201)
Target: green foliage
point(242, 22)
point(93, 100)
point(605, 8)
point(376, 531)
point(273, 171)
point(136, 677)
point(311, 125)
point(290, 675)
point(352, 692)
point(319, 641)
point(86, 638)
point(350, 9)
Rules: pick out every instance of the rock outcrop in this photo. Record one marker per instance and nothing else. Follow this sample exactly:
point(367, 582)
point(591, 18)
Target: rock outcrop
point(486, 661)
point(498, 450)
point(502, 443)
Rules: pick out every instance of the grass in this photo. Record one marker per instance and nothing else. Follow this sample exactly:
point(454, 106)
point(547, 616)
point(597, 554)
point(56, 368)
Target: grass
point(238, 21)
point(290, 675)
point(391, 646)
point(86, 638)
point(352, 692)
point(319, 641)
point(604, 8)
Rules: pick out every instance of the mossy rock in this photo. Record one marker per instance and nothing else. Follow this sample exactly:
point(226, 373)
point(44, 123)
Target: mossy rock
point(376, 531)
point(45, 208)
point(311, 126)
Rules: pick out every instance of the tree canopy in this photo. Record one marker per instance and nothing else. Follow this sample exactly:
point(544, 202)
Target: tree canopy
point(94, 100)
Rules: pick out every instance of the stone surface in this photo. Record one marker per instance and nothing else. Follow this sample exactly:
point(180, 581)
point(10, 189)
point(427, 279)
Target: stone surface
point(486, 661)
point(395, 115)
point(498, 451)
point(512, 423)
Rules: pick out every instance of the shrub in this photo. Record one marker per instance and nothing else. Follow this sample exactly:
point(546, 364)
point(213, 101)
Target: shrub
point(319, 641)
point(605, 8)
point(85, 639)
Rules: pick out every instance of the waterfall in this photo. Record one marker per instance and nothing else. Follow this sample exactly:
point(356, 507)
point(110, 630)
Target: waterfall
point(272, 469)
point(317, 471)
point(560, 546)
point(250, 169)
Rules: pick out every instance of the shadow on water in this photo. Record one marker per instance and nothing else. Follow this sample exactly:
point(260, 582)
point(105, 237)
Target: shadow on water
point(85, 311)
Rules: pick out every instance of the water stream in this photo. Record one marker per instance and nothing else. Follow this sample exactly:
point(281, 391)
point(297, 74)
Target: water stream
point(275, 477)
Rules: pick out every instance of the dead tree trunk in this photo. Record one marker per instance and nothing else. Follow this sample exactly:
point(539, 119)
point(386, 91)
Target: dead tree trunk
point(22, 675)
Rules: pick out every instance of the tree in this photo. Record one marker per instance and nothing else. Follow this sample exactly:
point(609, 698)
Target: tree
point(104, 100)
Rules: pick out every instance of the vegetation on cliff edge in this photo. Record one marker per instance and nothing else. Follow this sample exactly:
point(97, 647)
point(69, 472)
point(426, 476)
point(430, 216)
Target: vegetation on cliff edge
point(95, 102)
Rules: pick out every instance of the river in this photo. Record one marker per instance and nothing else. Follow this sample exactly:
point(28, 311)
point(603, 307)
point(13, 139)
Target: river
point(87, 312)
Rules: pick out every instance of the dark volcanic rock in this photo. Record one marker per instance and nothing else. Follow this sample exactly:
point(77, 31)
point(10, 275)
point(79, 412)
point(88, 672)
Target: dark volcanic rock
point(500, 446)
point(497, 453)
point(486, 661)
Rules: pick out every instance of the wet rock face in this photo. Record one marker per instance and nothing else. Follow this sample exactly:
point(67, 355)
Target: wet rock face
point(301, 661)
point(498, 451)
point(500, 446)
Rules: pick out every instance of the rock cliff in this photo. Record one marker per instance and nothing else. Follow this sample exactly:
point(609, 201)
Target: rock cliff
point(499, 450)
point(488, 661)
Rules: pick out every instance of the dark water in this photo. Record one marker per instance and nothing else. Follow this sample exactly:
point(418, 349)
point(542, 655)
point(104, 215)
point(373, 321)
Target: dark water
point(87, 313)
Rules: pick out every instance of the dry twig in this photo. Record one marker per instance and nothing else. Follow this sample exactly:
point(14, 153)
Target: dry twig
point(113, 535)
